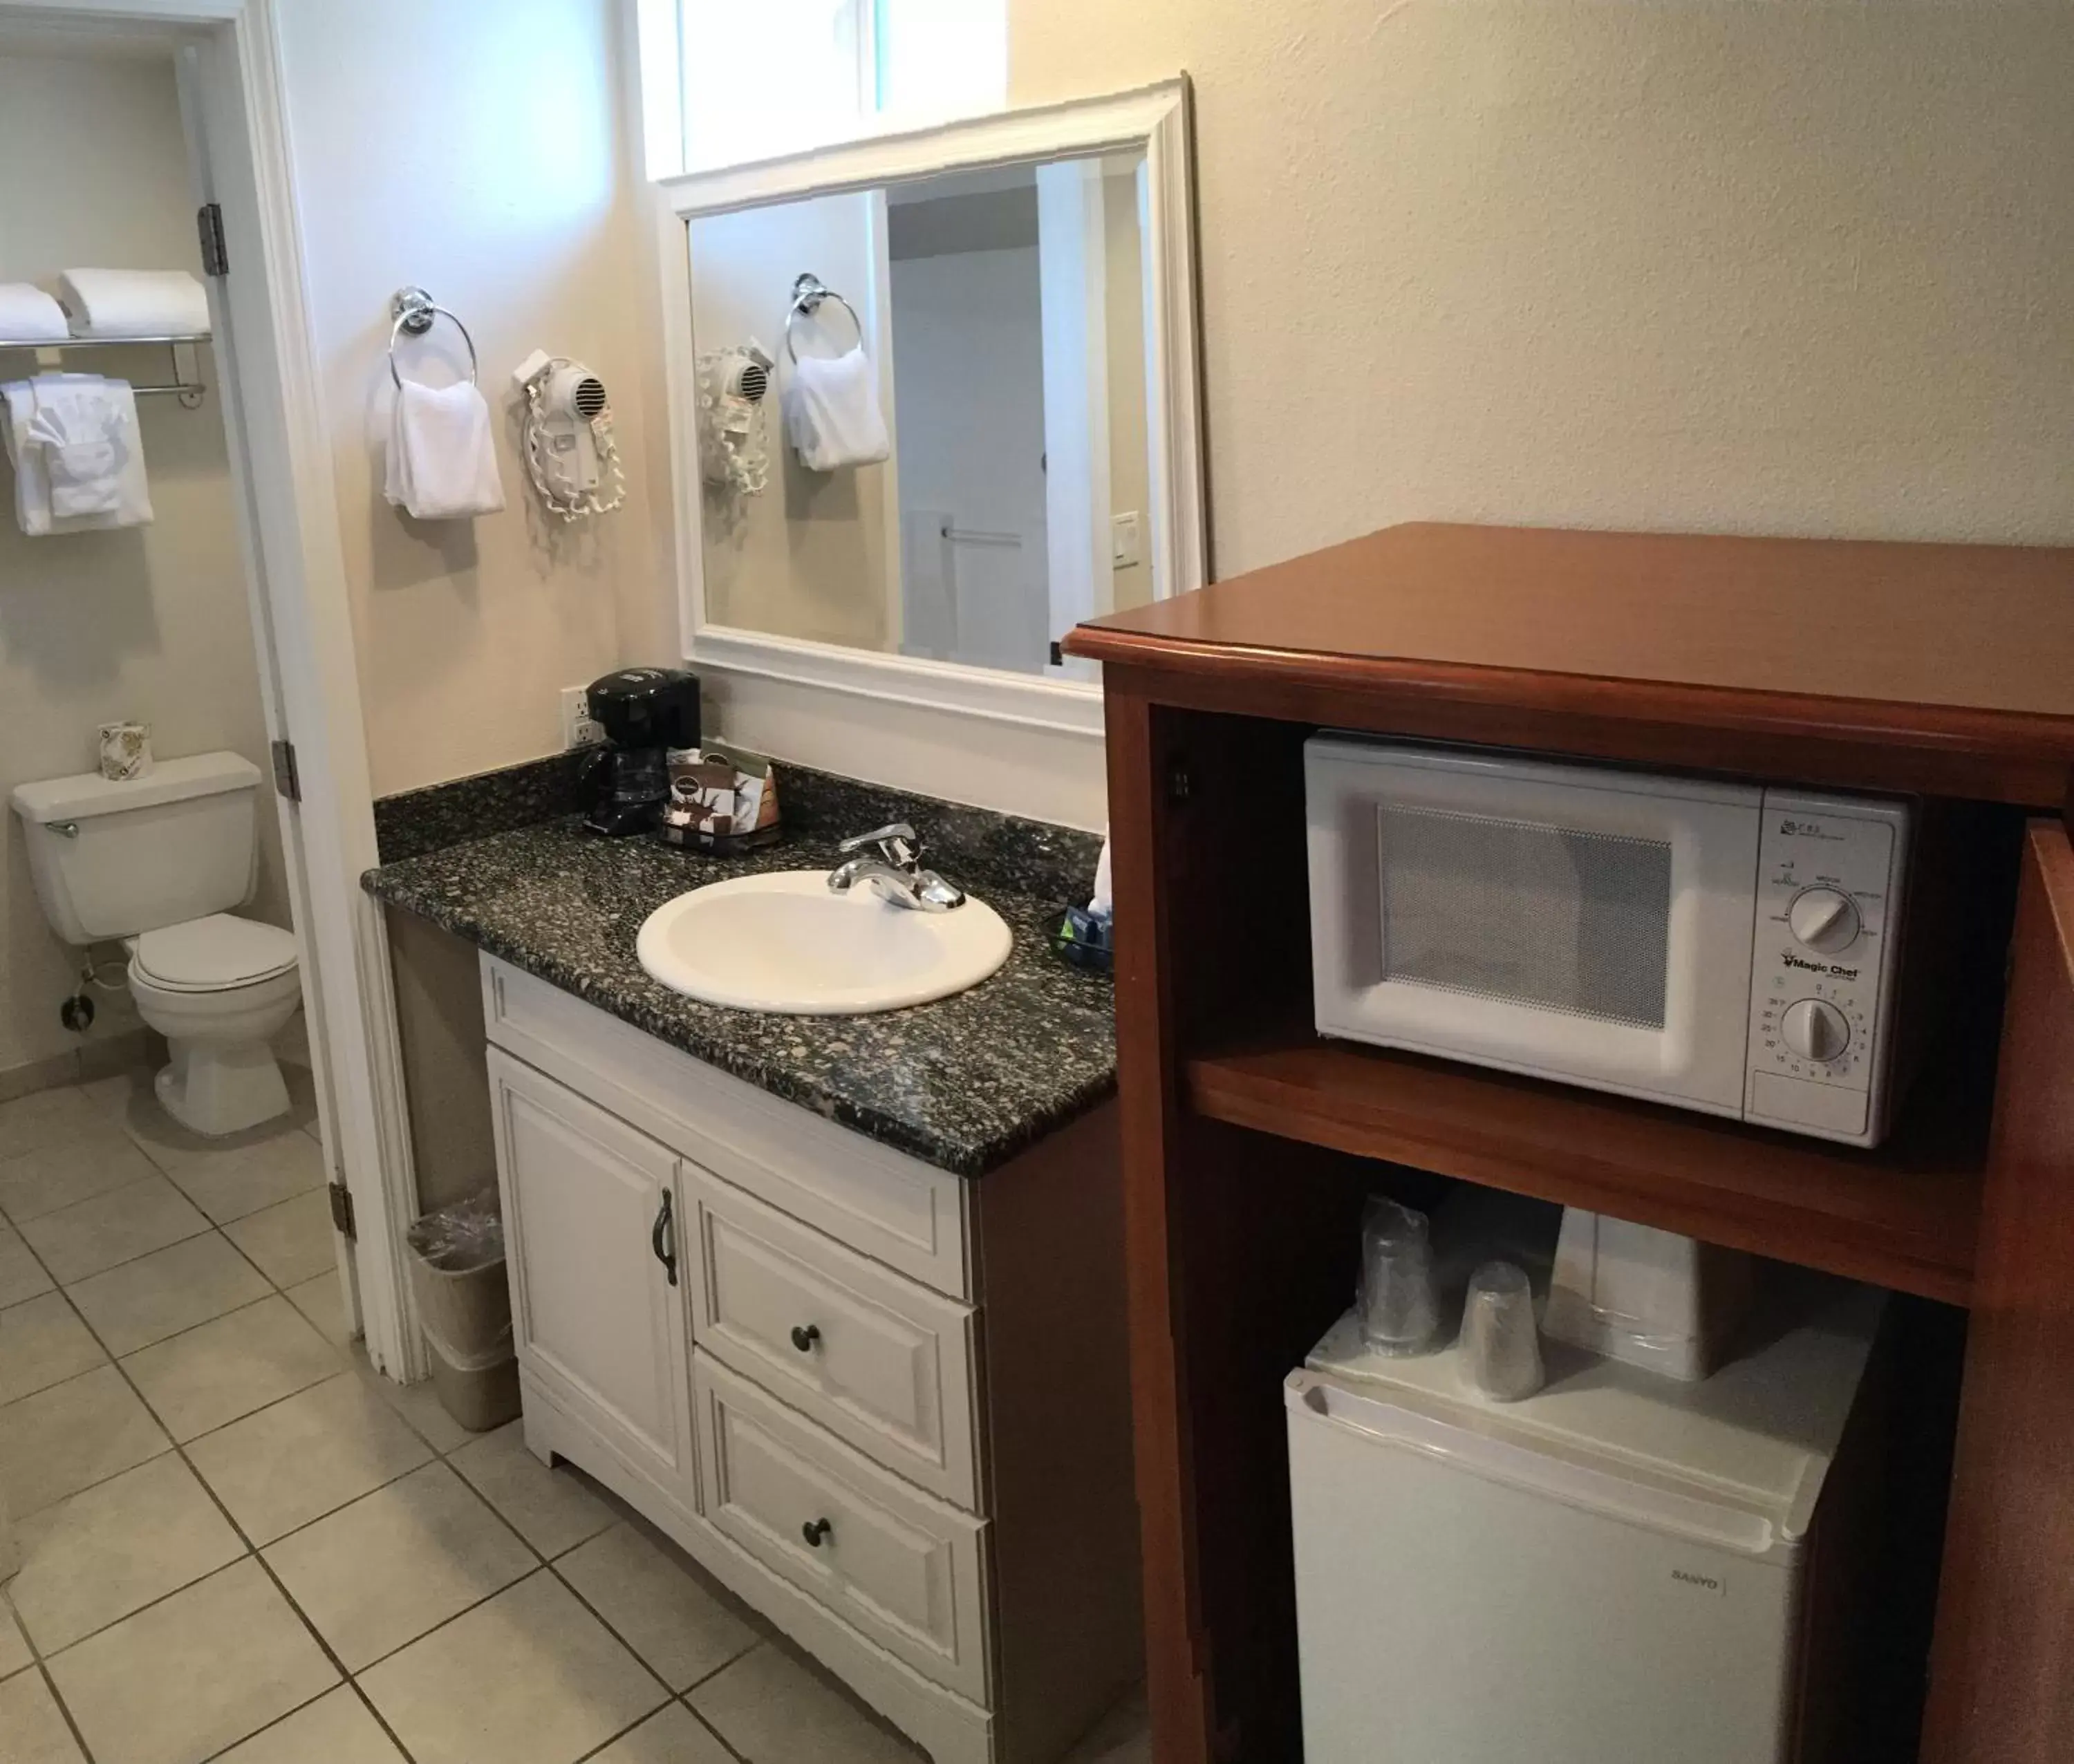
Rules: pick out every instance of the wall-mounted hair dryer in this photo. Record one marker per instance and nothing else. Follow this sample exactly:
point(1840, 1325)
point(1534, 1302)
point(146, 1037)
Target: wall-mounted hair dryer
point(570, 452)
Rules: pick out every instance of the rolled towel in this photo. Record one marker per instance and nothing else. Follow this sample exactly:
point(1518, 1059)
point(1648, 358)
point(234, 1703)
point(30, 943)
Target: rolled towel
point(442, 454)
point(832, 413)
point(134, 302)
point(27, 315)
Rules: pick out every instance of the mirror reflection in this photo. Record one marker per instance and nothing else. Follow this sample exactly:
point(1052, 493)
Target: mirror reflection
point(922, 412)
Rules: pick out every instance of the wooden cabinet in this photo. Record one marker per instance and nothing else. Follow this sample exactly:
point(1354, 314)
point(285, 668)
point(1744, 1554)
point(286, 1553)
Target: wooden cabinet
point(1945, 671)
point(885, 1407)
point(597, 1299)
point(2002, 1686)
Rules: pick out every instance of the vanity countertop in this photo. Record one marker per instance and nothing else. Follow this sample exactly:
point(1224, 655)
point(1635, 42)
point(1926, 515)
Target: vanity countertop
point(964, 1084)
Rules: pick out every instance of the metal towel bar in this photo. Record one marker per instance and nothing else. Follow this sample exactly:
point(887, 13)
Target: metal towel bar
point(184, 385)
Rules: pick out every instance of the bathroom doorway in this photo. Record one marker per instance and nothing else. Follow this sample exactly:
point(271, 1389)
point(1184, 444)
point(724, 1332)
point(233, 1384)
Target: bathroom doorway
point(255, 646)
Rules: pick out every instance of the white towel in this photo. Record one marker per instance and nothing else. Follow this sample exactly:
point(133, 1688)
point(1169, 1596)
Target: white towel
point(79, 424)
point(442, 455)
point(832, 413)
point(78, 457)
point(134, 302)
point(27, 315)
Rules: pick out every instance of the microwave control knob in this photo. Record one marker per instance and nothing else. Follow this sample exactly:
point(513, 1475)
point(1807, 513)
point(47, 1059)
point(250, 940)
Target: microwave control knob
point(1824, 918)
point(1815, 1029)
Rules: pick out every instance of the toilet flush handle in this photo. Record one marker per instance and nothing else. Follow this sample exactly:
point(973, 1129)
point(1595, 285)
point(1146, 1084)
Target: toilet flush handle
point(64, 829)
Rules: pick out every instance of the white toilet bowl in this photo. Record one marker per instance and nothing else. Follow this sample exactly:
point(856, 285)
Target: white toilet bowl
point(218, 989)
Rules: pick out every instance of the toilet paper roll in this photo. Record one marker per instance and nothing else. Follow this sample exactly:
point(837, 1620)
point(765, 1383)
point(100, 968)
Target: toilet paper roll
point(125, 750)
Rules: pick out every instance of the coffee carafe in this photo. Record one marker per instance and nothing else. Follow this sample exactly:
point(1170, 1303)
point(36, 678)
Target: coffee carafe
point(647, 714)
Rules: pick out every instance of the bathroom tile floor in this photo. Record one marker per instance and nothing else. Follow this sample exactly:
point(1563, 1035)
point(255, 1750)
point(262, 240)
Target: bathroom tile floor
point(239, 1542)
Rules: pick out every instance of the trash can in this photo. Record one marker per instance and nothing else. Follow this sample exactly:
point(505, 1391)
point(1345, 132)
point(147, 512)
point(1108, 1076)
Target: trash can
point(464, 1305)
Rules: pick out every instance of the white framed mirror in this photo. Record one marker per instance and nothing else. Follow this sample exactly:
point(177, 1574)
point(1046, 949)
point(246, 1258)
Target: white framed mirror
point(936, 399)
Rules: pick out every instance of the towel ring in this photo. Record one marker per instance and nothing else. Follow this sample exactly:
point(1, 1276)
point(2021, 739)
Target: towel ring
point(414, 310)
point(808, 293)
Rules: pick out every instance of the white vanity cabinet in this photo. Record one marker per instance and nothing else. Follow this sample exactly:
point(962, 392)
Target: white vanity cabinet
point(887, 1407)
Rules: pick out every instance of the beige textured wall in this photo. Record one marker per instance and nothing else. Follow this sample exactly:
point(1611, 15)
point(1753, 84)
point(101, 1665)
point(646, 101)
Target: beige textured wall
point(446, 1065)
point(478, 148)
point(150, 622)
point(1797, 269)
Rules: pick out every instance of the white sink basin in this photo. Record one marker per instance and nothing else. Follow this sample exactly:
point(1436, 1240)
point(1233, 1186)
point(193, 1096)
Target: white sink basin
point(784, 943)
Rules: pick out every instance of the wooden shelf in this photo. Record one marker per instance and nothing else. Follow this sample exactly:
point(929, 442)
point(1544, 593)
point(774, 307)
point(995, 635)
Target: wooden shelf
point(1905, 1216)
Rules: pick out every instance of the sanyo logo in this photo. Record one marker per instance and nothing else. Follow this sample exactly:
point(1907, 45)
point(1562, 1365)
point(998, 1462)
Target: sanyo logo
point(1700, 1583)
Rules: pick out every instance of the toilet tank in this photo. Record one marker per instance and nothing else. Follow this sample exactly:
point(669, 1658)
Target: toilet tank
point(110, 859)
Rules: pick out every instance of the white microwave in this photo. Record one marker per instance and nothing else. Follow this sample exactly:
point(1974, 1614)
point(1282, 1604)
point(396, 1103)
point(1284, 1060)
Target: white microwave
point(1727, 947)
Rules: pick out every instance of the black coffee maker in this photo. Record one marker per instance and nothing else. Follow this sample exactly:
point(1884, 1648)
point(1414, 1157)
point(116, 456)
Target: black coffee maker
point(646, 714)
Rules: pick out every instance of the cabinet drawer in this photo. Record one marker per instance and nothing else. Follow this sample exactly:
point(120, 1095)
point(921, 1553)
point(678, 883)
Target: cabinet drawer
point(877, 1359)
point(908, 1214)
point(906, 1570)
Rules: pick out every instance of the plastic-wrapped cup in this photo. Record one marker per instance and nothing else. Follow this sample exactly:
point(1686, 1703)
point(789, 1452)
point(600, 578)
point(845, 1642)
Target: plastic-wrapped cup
point(1501, 1348)
point(1399, 1313)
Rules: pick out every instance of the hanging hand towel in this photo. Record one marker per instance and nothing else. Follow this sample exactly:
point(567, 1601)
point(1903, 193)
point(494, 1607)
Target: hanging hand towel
point(134, 302)
point(27, 315)
point(831, 414)
point(442, 456)
point(78, 458)
point(79, 425)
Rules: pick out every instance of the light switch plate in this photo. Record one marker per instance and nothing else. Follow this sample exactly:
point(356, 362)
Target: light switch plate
point(1124, 546)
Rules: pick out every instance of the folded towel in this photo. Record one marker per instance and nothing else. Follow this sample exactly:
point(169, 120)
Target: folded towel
point(27, 315)
point(78, 458)
point(831, 414)
point(134, 302)
point(79, 425)
point(442, 455)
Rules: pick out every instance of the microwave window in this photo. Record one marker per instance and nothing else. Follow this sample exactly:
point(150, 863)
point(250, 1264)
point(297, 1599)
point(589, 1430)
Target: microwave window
point(1545, 916)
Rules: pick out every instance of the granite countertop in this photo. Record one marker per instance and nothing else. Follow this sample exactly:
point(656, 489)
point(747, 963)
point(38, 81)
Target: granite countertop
point(964, 1084)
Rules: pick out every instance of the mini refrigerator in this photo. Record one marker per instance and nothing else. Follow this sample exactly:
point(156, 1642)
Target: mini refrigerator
point(1622, 1569)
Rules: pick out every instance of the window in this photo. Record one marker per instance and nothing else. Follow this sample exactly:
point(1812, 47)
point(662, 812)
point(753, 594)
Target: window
point(728, 83)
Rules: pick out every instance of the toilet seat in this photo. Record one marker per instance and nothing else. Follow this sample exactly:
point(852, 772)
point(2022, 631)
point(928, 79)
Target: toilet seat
point(219, 953)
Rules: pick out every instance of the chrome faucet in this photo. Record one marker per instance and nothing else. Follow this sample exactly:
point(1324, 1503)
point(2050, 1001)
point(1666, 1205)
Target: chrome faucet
point(889, 860)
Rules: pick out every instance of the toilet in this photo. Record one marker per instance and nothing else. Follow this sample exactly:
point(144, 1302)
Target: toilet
point(157, 862)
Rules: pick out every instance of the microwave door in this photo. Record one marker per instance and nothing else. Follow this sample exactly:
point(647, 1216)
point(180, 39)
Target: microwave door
point(1597, 933)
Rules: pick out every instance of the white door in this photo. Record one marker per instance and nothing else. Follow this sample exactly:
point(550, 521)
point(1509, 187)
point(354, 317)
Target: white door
point(598, 1305)
point(302, 627)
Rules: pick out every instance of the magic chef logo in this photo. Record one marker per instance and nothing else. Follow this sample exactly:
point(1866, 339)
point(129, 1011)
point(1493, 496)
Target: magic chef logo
point(1791, 961)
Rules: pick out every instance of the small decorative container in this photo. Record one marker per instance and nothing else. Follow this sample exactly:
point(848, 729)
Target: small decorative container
point(721, 800)
point(126, 751)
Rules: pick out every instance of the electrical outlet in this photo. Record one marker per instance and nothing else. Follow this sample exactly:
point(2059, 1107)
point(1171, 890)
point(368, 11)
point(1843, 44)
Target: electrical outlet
point(578, 730)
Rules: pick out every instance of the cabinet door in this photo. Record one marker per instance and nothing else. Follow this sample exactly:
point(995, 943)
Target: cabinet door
point(590, 1220)
point(2002, 1691)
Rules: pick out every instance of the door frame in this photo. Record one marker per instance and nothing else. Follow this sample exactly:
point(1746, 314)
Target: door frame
point(228, 60)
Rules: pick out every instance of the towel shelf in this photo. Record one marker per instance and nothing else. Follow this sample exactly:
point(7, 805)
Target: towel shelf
point(185, 385)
